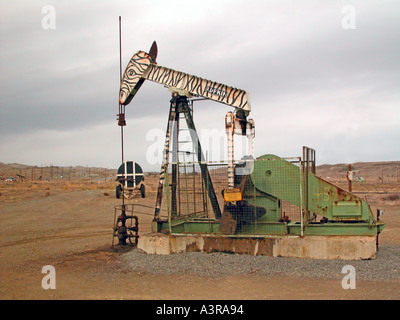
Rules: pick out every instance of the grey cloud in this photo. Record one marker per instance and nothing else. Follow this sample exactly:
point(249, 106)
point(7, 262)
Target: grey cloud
point(294, 59)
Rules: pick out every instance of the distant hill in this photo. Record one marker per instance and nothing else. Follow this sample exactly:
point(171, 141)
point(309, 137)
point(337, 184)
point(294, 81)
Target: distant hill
point(17, 165)
point(52, 172)
point(388, 170)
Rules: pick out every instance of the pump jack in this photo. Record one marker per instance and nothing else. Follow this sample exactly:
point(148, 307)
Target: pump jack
point(342, 212)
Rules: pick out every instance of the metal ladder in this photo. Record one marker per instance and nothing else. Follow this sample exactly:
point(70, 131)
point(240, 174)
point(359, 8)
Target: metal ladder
point(191, 201)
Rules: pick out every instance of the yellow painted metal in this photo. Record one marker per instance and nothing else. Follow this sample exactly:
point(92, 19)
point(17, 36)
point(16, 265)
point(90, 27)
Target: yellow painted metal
point(232, 194)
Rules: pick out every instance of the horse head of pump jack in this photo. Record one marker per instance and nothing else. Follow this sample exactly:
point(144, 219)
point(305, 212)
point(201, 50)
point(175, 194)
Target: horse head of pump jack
point(133, 77)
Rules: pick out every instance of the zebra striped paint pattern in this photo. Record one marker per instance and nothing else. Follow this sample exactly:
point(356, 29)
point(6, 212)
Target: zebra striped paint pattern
point(141, 67)
point(133, 76)
point(199, 87)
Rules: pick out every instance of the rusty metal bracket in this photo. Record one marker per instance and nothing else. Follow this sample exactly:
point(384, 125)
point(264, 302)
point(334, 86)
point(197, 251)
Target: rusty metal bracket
point(126, 226)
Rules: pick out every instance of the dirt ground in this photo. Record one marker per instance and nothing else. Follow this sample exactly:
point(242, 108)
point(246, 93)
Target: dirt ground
point(70, 228)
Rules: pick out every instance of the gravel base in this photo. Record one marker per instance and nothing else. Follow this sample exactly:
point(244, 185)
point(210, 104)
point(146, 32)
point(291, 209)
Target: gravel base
point(386, 266)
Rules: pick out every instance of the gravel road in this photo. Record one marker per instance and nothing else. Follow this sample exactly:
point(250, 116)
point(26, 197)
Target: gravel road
point(385, 267)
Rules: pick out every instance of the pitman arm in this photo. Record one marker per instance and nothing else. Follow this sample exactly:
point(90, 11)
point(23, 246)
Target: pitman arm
point(235, 125)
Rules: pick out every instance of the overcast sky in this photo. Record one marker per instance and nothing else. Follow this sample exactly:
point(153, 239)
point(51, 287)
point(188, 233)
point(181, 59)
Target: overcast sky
point(315, 76)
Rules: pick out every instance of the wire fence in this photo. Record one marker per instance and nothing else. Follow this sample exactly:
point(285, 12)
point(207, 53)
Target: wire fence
point(36, 173)
point(267, 195)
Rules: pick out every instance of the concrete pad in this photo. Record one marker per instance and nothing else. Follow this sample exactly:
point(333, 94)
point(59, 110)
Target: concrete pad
point(156, 243)
point(326, 247)
point(314, 247)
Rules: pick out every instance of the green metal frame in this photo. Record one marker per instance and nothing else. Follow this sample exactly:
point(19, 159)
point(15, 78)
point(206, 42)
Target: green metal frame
point(344, 214)
point(211, 226)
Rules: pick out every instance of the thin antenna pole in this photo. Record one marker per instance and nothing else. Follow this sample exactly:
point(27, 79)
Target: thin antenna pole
point(120, 79)
point(121, 108)
point(120, 51)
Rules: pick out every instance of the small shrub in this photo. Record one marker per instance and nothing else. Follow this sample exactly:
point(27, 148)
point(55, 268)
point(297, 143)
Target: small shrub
point(392, 197)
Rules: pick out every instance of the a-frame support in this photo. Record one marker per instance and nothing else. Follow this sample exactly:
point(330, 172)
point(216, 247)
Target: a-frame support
point(179, 104)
